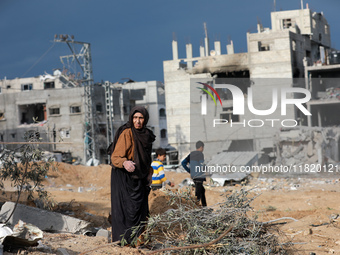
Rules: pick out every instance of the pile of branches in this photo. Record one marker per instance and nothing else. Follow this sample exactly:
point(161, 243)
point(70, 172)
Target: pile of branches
point(222, 229)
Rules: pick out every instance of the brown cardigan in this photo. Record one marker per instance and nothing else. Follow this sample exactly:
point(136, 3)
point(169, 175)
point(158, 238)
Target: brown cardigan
point(123, 149)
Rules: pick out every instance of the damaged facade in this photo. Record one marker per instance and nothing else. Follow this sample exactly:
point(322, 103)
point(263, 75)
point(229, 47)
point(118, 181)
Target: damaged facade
point(52, 107)
point(47, 108)
point(151, 95)
point(315, 146)
point(276, 57)
point(323, 80)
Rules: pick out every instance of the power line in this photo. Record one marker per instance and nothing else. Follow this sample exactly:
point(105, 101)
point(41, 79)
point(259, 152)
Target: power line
point(38, 60)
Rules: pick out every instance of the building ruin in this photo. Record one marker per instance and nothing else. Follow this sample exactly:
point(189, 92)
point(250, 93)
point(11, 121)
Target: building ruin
point(52, 107)
point(276, 57)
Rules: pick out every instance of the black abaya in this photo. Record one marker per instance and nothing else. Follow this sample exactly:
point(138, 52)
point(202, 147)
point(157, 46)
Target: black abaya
point(129, 204)
point(129, 191)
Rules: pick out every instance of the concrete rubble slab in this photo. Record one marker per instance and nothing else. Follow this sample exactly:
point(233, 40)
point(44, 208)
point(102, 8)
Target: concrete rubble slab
point(62, 251)
point(186, 182)
point(236, 177)
point(226, 160)
point(105, 233)
point(44, 220)
point(23, 234)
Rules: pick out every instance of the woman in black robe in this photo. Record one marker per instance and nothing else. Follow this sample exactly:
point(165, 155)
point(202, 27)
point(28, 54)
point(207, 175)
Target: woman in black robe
point(131, 176)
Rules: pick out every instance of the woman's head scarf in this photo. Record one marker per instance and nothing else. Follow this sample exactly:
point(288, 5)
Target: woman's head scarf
point(143, 139)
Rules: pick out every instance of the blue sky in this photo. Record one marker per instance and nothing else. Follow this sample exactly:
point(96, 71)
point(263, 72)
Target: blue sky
point(131, 38)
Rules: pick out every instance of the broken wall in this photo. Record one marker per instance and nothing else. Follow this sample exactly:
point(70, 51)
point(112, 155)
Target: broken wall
point(307, 146)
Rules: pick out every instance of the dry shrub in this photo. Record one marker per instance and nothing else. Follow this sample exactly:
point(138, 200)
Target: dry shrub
point(193, 225)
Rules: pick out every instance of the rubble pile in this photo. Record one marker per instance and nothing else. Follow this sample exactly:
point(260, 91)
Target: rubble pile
point(330, 93)
point(295, 147)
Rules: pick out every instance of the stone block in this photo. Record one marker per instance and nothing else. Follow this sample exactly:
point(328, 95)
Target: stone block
point(44, 220)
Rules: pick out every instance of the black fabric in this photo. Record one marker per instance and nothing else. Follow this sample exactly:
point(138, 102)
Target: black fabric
point(200, 192)
point(129, 205)
point(196, 158)
point(129, 191)
point(156, 187)
point(143, 139)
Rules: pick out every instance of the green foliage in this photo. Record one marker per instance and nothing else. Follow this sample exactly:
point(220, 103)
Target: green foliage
point(26, 167)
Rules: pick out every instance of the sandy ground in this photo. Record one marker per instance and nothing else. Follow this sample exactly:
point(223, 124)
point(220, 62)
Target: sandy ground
point(314, 203)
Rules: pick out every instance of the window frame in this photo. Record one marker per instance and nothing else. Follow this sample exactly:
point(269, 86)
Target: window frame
point(73, 107)
point(29, 87)
point(52, 109)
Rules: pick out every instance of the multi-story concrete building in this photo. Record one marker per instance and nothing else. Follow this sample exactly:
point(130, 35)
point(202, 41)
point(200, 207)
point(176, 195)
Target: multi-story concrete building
point(52, 107)
point(276, 58)
point(323, 80)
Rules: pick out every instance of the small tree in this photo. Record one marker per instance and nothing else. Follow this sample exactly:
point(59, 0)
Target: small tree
point(26, 168)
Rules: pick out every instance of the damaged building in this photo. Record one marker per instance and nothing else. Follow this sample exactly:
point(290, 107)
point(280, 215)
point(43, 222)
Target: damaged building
point(316, 146)
point(323, 80)
point(276, 57)
point(52, 107)
point(151, 95)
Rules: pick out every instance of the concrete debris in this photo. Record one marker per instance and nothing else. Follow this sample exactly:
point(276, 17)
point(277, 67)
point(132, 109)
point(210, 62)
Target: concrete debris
point(44, 220)
point(230, 177)
point(62, 251)
point(263, 184)
point(105, 233)
point(43, 248)
point(226, 166)
point(4, 231)
point(330, 93)
point(186, 182)
point(308, 146)
point(23, 234)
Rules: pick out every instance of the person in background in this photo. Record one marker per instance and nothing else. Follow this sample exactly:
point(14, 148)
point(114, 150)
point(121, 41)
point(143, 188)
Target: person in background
point(195, 161)
point(158, 177)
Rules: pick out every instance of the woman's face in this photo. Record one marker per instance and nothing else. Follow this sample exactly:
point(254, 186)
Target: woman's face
point(138, 120)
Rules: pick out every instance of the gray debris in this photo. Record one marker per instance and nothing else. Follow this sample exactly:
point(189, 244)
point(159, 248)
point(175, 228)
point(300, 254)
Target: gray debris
point(62, 251)
point(23, 234)
point(186, 182)
point(44, 220)
point(105, 233)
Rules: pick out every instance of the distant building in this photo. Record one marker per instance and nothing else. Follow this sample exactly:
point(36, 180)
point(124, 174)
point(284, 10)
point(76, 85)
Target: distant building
point(52, 107)
point(323, 80)
point(275, 57)
point(153, 98)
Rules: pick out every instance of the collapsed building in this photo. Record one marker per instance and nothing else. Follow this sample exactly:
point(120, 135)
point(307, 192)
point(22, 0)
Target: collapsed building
point(278, 57)
point(317, 146)
point(51, 109)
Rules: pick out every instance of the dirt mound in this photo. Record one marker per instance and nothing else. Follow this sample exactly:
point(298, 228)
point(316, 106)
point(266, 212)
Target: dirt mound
point(159, 201)
point(79, 175)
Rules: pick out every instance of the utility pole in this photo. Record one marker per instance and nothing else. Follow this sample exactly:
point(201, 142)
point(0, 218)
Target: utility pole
point(84, 60)
point(109, 114)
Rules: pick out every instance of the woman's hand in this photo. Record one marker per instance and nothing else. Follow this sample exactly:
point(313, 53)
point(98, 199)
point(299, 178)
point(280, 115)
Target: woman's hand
point(129, 166)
